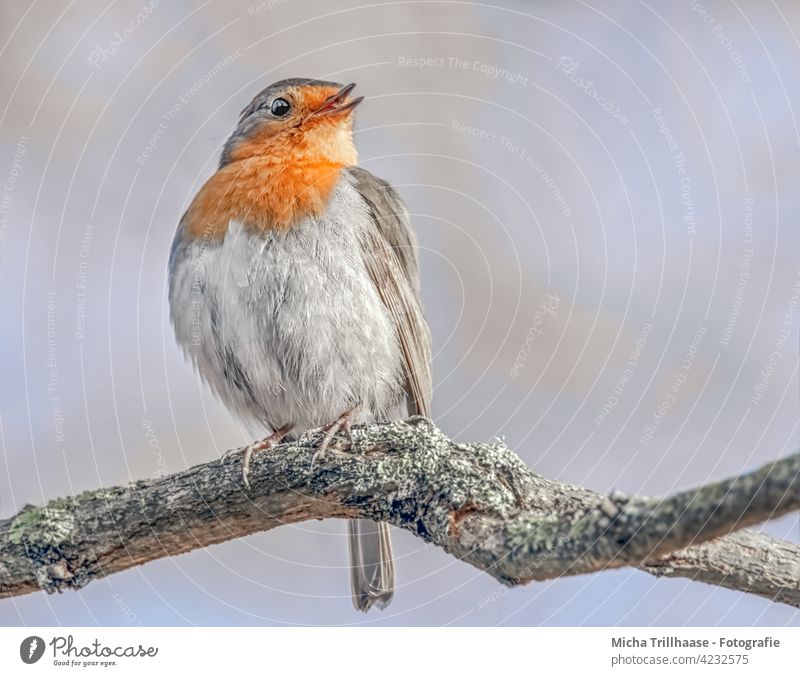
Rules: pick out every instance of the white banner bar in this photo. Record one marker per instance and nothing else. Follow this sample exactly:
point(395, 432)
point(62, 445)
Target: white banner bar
point(401, 651)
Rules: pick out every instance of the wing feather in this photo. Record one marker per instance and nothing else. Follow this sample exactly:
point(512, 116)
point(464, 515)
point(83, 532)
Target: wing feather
point(390, 253)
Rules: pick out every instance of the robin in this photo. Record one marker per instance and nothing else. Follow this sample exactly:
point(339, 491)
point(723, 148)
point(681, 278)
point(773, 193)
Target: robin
point(294, 290)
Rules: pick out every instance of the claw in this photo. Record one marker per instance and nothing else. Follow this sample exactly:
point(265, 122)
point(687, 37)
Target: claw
point(342, 423)
point(265, 444)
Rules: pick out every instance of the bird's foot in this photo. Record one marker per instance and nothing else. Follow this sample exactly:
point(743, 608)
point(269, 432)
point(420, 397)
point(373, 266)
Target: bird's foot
point(265, 444)
point(342, 424)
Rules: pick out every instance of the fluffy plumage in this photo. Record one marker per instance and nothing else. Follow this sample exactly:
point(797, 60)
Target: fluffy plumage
point(287, 325)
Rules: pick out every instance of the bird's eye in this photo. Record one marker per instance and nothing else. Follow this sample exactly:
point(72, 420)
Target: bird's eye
point(280, 107)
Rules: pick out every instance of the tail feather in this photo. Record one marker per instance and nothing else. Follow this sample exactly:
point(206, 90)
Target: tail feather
point(371, 564)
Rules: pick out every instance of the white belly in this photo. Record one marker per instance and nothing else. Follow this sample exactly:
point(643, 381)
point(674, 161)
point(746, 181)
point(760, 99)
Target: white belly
point(288, 327)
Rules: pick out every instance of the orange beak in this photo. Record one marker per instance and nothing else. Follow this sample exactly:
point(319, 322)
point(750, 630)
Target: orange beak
point(338, 102)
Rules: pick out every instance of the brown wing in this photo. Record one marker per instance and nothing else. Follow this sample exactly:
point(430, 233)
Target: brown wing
point(391, 255)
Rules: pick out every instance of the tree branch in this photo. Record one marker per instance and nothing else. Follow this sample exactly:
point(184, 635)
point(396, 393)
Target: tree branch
point(745, 561)
point(479, 502)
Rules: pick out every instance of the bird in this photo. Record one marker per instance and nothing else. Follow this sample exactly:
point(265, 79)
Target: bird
point(294, 290)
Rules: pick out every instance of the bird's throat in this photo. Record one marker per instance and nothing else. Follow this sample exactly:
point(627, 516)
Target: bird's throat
point(263, 194)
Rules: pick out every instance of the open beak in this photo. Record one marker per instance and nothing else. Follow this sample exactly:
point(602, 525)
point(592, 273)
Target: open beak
point(339, 102)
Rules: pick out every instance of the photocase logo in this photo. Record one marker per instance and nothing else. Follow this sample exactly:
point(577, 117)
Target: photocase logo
point(31, 649)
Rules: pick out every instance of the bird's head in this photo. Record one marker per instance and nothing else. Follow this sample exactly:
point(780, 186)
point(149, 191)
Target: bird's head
point(296, 120)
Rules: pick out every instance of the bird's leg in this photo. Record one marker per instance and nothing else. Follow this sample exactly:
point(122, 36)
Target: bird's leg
point(342, 423)
point(265, 444)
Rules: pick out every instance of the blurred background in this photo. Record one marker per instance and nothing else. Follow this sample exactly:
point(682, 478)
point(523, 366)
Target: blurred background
point(607, 205)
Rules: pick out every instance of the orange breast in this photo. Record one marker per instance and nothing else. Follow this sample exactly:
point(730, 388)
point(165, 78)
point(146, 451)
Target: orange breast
point(263, 194)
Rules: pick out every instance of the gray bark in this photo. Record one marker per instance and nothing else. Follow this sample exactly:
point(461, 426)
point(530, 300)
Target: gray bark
point(479, 502)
